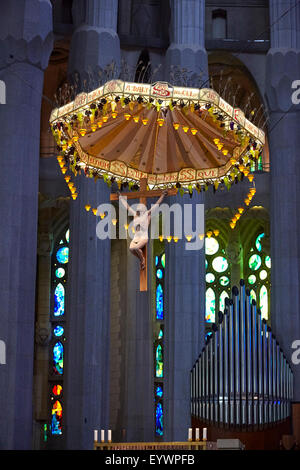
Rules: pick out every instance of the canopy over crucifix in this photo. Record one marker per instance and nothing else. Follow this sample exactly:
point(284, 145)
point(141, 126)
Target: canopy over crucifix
point(154, 138)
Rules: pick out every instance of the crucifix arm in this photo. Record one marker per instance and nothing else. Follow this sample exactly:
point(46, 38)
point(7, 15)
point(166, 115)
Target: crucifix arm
point(159, 201)
point(126, 205)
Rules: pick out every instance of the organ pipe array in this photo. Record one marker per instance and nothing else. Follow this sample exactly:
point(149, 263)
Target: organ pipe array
point(242, 377)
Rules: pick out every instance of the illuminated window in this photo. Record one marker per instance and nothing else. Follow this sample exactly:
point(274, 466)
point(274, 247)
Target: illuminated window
point(258, 272)
point(158, 351)
point(217, 278)
point(59, 276)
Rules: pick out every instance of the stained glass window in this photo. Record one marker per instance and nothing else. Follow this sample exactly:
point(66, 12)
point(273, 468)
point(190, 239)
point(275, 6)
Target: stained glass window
point(159, 303)
point(56, 422)
point(58, 358)
point(159, 419)
point(211, 246)
point(159, 269)
point(223, 296)
point(59, 300)
point(259, 262)
point(62, 255)
point(58, 330)
point(159, 361)
point(59, 277)
point(254, 262)
point(224, 281)
point(210, 277)
point(217, 277)
point(210, 305)
point(263, 301)
point(220, 264)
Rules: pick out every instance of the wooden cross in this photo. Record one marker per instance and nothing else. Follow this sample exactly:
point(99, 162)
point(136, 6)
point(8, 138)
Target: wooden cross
point(143, 195)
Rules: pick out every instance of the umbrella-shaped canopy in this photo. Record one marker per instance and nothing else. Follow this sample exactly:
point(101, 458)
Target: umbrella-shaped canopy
point(164, 134)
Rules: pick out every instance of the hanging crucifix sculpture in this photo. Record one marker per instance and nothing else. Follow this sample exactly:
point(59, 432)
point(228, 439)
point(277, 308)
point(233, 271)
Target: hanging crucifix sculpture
point(142, 218)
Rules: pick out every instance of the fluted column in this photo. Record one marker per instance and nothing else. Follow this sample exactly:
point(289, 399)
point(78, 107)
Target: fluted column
point(184, 326)
point(283, 65)
point(25, 46)
point(94, 44)
point(187, 48)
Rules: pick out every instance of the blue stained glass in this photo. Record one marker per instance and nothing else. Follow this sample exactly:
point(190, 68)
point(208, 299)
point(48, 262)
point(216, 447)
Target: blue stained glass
point(159, 391)
point(159, 420)
point(62, 255)
point(58, 330)
point(159, 302)
point(56, 422)
point(160, 334)
point(58, 358)
point(156, 260)
point(59, 300)
point(159, 273)
point(258, 241)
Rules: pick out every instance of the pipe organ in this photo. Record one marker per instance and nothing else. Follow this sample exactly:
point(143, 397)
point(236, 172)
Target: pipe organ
point(242, 377)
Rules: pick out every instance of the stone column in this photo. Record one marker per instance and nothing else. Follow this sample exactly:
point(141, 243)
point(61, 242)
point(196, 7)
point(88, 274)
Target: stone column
point(187, 48)
point(234, 254)
point(42, 326)
point(184, 326)
point(25, 46)
point(138, 400)
point(94, 44)
point(283, 62)
point(185, 271)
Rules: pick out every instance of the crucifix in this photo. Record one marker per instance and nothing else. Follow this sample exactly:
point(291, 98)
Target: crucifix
point(142, 217)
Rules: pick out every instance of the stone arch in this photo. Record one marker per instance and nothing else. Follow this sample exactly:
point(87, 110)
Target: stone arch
point(235, 83)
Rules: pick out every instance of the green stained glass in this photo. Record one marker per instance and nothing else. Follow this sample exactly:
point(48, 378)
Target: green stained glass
point(222, 300)
point(252, 295)
point(254, 262)
point(62, 255)
point(224, 281)
point(258, 241)
point(263, 302)
point(60, 272)
point(252, 279)
point(67, 235)
point(210, 305)
point(211, 246)
point(263, 274)
point(268, 261)
point(220, 264)
point(159, 362)
point(163, 260)
point(210, 277)
point(206, 264)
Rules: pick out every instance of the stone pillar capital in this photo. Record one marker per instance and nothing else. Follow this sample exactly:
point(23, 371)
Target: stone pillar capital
point(28, 37)
point(282, 71)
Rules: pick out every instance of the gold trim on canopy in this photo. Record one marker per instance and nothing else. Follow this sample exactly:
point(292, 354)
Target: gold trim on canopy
point(166, 134)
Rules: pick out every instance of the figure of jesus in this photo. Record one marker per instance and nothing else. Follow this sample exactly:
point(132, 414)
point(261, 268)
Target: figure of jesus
point(141, 221)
